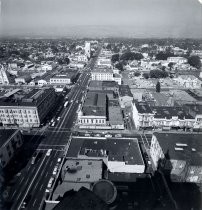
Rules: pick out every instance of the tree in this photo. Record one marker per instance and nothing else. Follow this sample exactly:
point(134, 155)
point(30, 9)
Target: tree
point(163, 55)
point(145, 75)
point(137, 74)
point(158, 87)
point(119, 66)
point(158, 74)
point(131, 56)
point(115, 58)
point(170, 65)
point(194, 61)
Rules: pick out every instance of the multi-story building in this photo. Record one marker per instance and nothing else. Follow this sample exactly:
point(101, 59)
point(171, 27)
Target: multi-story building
point(64, 78)
point(161, 116)
point(26, 108)
point(10, 141)
point(102, 74)
point(142, 115)
point(178, 155)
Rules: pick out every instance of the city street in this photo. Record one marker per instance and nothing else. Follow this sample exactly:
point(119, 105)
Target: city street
point(33, 180)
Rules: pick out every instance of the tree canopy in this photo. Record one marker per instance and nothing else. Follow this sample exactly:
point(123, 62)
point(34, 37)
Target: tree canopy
point(115, 58)
point(194, 61)
point(158, 74)
point(131, 56)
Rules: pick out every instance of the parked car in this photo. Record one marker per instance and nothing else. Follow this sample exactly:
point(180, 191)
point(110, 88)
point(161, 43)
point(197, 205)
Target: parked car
point(50, 183)
point(108, 135)
point(49, 152)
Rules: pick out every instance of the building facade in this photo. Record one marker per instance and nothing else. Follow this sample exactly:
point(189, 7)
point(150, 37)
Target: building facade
point(10, 141)
point(26, 109)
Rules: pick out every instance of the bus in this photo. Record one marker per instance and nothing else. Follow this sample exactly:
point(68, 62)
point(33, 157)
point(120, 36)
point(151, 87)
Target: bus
point(65, 104)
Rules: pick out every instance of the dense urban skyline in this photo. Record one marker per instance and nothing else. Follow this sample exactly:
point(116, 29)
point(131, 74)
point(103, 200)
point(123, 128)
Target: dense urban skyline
point(139, 18)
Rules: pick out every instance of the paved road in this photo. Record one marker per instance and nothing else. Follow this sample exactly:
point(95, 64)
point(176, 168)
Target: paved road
point(34, 177)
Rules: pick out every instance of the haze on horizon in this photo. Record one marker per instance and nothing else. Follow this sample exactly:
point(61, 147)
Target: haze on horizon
point(102, 18)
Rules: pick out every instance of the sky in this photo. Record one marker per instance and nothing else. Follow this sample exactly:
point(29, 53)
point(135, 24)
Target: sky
point(98, 18)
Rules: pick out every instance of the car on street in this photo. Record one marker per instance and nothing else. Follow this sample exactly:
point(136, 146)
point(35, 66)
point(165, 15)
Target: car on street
point(59, 160)
point(53, 124)
point(49, 152)
point(55, 170)
point(118, 135)
point(87, 134)
point(97, 135)
point(108, 135)
point(26, 201)
point(50, 183)
point(58, 118)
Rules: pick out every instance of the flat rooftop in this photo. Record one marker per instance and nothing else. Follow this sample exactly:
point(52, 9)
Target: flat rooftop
point(169, 112)
point(123, 150)
point(179, 146)
point(5, 134)
point(143, 107)
point(81, 170)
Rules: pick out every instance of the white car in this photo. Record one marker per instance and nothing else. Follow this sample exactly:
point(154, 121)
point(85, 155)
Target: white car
point(118, 135)
point(50, 183)
point(87, 134)
point(49, 152)
point(55, 170)
point(58, 118)
point(108, 135)
point(53, 124)
point(59, 160)
point(97, 135)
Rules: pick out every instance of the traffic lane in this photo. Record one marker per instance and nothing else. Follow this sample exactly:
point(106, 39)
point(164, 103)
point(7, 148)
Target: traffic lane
point(40, 183)
point(25, 175)
point(21, 197)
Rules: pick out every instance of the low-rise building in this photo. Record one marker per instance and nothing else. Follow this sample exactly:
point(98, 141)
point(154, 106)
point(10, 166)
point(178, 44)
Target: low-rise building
point(24, 79)
point(188, 81)
point(119, 155)
point(94, 110)
point(161, 116)
point(10, 142)
point(178, 60)
point(64, 78)
point(46, 67)
point(125, 96)
point(77, 173)
point(142, 115)
point(115, 115)
point(26, 108)
point(178, 155)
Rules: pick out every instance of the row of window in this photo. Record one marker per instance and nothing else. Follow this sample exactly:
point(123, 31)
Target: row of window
point(18, 116)
point(18, 120)
point(93, 121)
point(17, 111)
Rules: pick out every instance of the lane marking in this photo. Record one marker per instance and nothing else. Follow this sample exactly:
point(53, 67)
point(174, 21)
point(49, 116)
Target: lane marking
point(31, 182)
point(34, 202)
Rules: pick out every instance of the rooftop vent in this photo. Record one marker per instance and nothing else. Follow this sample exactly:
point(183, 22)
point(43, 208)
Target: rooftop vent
point(181, 145)
point(179, 149)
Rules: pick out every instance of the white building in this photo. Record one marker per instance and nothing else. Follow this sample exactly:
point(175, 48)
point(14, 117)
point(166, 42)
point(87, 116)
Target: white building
point(87, 49)
point(188, 81)
point(102, 74)
point(46, 67)
point(177, 60)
